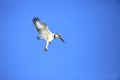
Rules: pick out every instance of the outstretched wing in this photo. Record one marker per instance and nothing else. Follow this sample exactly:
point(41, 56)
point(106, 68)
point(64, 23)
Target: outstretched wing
point(41, 27)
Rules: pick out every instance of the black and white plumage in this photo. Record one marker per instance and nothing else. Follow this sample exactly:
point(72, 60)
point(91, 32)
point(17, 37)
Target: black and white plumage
point(44, 32)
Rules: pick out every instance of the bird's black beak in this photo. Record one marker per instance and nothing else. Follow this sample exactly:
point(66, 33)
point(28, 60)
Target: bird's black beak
point(62, 40)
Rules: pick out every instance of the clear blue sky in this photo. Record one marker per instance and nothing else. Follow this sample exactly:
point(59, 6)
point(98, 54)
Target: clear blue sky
point(91, 30)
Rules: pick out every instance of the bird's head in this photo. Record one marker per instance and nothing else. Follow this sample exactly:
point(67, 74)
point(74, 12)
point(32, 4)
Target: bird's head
point(59, 36)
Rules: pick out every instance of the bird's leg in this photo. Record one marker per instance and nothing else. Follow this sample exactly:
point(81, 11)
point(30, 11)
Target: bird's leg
point(46, 46)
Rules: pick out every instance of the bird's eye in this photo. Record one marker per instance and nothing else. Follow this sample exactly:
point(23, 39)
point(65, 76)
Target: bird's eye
point(59, 34)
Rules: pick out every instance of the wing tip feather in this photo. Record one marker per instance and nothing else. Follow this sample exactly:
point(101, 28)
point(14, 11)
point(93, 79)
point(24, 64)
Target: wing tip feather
point(35, 19)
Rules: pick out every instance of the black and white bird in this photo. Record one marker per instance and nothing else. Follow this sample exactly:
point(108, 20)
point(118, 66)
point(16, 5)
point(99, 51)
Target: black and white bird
point(45, 33)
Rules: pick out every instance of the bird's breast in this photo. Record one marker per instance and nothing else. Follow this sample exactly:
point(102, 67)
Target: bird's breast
point(50, 38)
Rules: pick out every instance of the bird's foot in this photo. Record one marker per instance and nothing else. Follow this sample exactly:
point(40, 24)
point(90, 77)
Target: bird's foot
point(38, 38)
point(45, 49)
point(50, 43)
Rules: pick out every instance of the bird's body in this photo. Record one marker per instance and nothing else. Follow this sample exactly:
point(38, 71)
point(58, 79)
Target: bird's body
point(44, 32)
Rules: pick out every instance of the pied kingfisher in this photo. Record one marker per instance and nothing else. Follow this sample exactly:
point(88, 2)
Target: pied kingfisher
point(45, 33)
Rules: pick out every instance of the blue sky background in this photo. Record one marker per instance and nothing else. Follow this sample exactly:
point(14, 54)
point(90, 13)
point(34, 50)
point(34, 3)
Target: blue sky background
point(91, 30)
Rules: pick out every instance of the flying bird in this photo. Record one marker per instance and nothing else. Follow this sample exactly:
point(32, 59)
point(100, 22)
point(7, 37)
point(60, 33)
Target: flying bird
point(45, 33)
